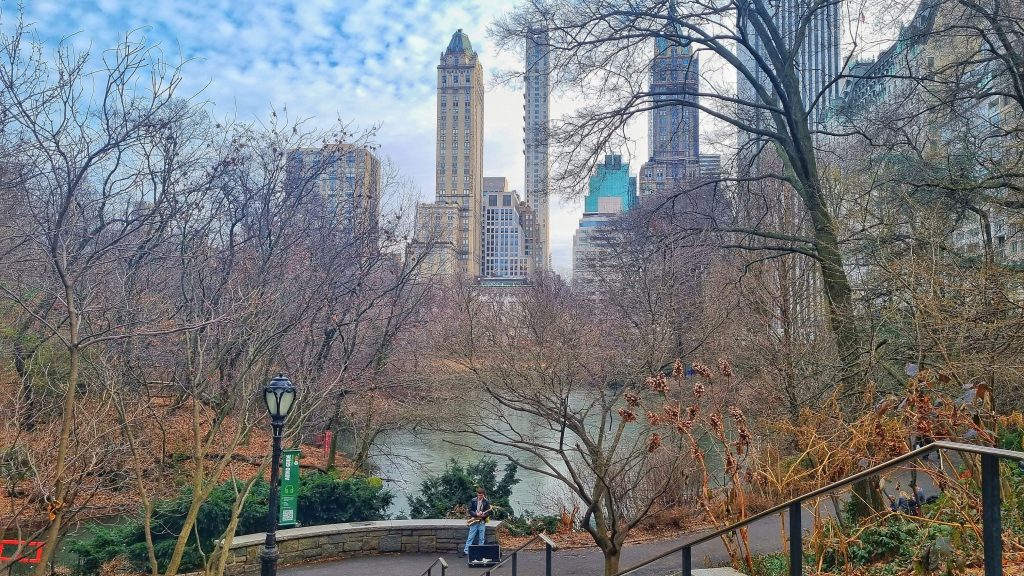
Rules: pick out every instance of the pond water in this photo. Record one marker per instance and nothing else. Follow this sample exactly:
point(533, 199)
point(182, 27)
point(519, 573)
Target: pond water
point(409, 458)
point(404, 459)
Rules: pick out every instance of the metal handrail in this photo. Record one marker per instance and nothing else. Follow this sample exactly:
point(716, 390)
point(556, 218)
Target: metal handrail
point(549, 546)
point(990, 482)
point(430, 569)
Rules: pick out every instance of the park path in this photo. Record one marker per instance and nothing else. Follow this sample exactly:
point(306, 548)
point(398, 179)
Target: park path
point(764, 537)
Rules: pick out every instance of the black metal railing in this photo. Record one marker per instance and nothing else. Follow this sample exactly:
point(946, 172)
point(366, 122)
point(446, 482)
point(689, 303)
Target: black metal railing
point(991, 521)
point(430, 569)
point(513, 557)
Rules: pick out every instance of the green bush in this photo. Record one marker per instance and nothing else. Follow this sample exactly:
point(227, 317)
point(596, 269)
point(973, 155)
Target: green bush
point(440, 494)
point(14, 468)
point(771, 565)
point(886, 540)
point(323, 499)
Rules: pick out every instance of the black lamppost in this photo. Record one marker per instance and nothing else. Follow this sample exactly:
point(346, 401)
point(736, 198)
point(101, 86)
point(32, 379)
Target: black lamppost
point(279, 394)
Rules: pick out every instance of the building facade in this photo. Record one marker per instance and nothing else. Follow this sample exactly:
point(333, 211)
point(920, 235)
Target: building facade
point(346, 179)
point(818, 59)
point(673, 130)
point(435, 238)
point(536, 117)
point(460, 145)
point(769, 204)
point(507, 227)
point(611, 191)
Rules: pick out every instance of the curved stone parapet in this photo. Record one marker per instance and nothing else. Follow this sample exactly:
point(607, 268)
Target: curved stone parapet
point(353, 539)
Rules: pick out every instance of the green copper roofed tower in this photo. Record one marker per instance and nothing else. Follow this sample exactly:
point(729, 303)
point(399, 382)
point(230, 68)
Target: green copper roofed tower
point(460, 43)
point(460, 146)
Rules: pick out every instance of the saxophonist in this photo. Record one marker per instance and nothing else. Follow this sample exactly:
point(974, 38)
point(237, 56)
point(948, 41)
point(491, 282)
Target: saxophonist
point(479, 509)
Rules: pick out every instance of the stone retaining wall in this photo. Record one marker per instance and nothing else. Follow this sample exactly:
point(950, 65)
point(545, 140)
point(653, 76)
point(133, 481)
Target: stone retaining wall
point(353, 539)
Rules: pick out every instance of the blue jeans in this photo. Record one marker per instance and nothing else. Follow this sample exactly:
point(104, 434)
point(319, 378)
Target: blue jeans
point(476, 535)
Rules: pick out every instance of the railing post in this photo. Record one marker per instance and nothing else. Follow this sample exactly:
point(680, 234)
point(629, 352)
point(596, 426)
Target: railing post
point(547, 559)
point(796, 541)
point(687, 562)
point(991, 520)
point(515, 569)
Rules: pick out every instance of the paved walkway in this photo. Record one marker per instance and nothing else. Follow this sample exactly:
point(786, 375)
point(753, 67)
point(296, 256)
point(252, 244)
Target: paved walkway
point(764, 537)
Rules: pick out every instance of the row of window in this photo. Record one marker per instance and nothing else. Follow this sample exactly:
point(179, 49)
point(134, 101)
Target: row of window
point(454, 79)
point(455, 121)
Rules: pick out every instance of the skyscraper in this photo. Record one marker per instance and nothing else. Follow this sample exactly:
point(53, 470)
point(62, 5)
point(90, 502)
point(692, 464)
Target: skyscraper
point(611, 191)
point(673, 131)
point(769, 204)
point(817, 56)
point(535, 141)
point(460, 145)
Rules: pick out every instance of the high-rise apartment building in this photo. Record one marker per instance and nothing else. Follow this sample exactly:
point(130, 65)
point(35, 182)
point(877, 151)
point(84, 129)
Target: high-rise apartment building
point(460, 145)
point(346, 179)
point(611, 191)
point(507, 226)
point(535, 143)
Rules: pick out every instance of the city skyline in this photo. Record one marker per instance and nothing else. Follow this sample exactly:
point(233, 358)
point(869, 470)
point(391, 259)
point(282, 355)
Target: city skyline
point(371, 63)
point(374, 64)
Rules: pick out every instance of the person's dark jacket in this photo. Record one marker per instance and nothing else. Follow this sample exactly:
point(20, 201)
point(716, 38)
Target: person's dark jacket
point(473, 509)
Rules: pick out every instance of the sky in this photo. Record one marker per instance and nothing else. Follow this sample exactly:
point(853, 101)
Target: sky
point(372, 62)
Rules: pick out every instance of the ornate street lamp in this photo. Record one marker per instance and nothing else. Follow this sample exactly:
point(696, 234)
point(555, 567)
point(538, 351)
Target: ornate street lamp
point(279, 394)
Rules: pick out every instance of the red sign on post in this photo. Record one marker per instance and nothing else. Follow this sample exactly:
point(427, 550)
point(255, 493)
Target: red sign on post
point(9, 549)
point(328, 436)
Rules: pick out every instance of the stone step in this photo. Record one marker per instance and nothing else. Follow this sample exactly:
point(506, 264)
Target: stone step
point(724, 571)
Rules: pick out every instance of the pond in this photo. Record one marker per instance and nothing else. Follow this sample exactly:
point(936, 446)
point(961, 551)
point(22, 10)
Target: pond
point(404, 459)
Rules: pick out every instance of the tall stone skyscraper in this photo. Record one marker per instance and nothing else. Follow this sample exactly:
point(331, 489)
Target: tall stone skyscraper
point(535, 141)
point(672, 129)
point(460, 145)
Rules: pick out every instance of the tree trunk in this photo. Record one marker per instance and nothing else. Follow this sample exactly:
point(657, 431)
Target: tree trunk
point(611, 561)
point(198, 458)
point(21, 360)
point(867, 498)
point(57, 505)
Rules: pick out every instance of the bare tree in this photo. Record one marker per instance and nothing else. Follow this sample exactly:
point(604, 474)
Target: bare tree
point(546, 394)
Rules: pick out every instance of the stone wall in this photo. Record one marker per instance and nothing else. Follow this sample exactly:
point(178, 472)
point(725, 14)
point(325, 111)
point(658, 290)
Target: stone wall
point(353, 539)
